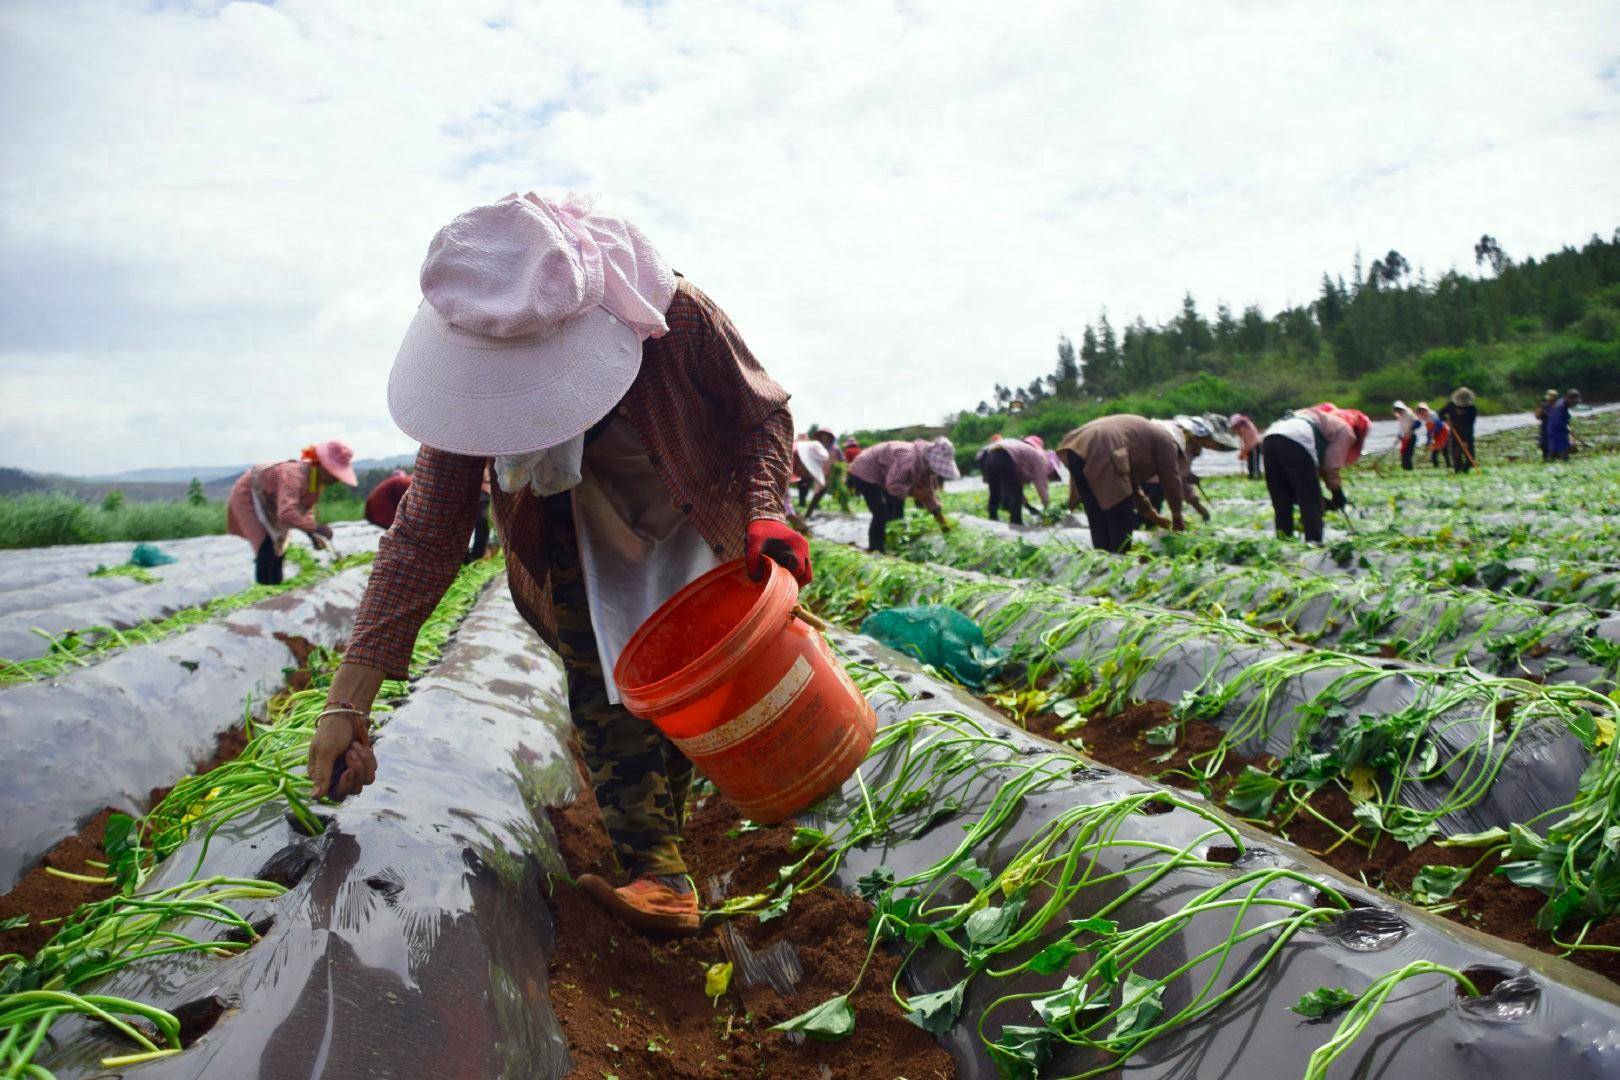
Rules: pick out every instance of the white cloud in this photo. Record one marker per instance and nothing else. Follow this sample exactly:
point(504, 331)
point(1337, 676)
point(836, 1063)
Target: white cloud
point(211, 215)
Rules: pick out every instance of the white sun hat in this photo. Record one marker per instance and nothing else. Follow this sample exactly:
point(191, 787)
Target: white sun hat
point(530, 327)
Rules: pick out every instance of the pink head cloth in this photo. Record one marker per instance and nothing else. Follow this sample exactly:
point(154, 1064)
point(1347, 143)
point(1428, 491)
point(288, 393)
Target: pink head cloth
point(336, 458)
point(1036, 441)
point(523, 265)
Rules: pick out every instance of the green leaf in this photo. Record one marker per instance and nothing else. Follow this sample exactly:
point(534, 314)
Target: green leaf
point(1140, 1008)
point(1072, 999)
point(1324, 1000)
point(991, 926)
point(805, 838)
point(1435, 883)
point(832, 1020)
point(975, 875)
point(777, 907)
point(875, 884)
point(1163, 735)
point(1020, 1051)
point(1095, 925)
point(16, 922)
point(1054, 958)
point(717, 980)
point(1251, 795)
point(936, 1013)
point(1532, 875)
point(121, 843)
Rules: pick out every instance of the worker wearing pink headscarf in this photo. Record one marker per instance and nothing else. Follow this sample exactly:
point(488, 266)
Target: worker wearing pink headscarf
point(269, 501)
point(1304, 451)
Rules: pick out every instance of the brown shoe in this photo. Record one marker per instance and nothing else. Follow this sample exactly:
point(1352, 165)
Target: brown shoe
point(647, 904)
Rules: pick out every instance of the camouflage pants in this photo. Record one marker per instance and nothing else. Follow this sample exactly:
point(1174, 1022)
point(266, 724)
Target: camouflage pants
point(640, 779)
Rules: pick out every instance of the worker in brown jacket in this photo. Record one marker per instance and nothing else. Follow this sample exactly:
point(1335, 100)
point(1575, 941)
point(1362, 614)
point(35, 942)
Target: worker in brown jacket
point(1110, 461)
point(634, 443)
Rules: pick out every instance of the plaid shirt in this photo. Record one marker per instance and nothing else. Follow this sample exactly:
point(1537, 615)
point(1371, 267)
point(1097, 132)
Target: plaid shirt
point(716, 428)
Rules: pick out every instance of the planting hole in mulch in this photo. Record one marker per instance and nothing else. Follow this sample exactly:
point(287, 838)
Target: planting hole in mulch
point(633, 1007)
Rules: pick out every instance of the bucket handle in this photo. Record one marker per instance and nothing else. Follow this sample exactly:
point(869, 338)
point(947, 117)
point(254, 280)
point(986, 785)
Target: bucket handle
point(806, 615)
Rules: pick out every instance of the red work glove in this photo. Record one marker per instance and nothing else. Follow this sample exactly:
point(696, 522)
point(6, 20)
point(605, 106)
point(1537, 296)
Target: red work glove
point(769, 539)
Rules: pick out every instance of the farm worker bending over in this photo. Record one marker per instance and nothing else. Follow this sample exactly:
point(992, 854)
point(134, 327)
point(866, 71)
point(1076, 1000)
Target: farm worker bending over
point(1407, 426)
point(1559, 439)
point(1248, 437)
point(635, 443)
point(1299, 448)
point(887, 472)
point(852, 449)
point(1008, 465)
point(1110, 461)
point(815, 456)
point(383, 502)
point(1196, 434)
point(269, 501)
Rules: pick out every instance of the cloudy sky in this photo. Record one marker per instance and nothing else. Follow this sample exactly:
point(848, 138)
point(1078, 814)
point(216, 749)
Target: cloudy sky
point(212, 214)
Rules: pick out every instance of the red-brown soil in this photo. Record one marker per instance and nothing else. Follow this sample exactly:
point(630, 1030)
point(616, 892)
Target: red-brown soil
point(635, 1008)
point(47, 898)
point(1485, 902)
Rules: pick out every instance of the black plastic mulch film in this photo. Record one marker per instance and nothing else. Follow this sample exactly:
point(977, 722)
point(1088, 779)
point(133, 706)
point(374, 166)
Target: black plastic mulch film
point(1539, 771)
point(1546, 1015)
point(414, 938)
point(107, 734)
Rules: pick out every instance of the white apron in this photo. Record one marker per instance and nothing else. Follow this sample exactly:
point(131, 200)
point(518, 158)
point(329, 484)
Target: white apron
point(636, 548)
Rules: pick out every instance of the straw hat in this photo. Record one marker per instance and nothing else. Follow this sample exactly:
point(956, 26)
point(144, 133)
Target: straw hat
point(1462, 397)
point(530, 327)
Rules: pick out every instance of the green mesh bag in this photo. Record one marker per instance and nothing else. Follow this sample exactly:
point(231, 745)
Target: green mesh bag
point(939, 636)
point(148, 555)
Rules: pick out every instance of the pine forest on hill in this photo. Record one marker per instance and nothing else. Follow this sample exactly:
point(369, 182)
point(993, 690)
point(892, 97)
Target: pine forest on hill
point(1389, 333)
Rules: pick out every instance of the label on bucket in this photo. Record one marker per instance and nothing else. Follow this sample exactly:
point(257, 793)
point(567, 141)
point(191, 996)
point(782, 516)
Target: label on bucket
point(756, 716)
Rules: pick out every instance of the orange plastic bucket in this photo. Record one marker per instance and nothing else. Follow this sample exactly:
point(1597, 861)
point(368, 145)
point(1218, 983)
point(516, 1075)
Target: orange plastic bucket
point(749, 692)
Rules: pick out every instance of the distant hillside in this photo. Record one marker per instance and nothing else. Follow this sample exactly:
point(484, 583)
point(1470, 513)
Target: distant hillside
point(181, 475)
point(160, 484)
point(1509, 331)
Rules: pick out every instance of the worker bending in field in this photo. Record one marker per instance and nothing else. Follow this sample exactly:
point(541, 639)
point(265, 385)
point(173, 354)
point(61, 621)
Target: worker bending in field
point(1009, 464)
point(1304, 450)
point(886, 473)
point(1407, 427)
point(1195, 434)
point(1560, 440)
point(383, 502)
point(269, 501)
point(635, 444)
point(1110, 461)
point(1248, 437)
point(815, 461)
